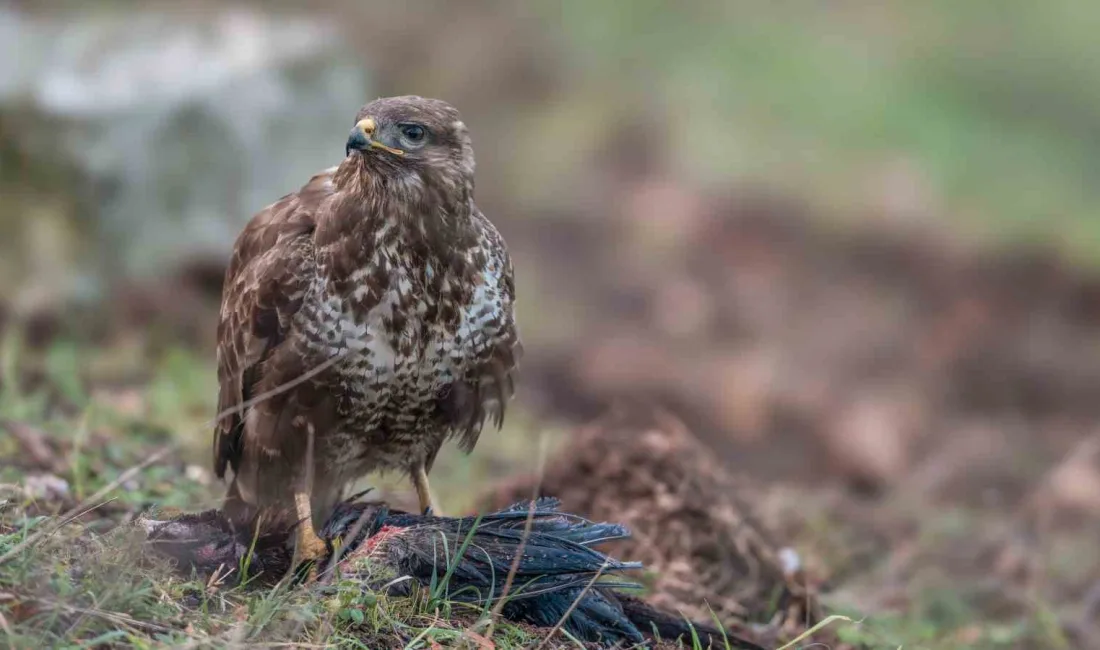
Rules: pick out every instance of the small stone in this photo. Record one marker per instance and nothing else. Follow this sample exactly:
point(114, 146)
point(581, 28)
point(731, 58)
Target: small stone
point(197, 474)
point(790, 561)
point(46, 487)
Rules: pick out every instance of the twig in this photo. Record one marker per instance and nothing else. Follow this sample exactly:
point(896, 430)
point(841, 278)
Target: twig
point(282, 388)
point(114, 617)
point(353, 533)
point(572, 606)
point(514, 569)
point(825, 623)
point(74, 514)
point(110, 487)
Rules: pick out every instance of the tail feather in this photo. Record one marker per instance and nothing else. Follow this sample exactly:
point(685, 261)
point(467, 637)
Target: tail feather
point(594, 617)
point(672, 628)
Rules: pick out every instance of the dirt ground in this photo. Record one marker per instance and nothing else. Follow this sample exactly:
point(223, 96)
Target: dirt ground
point(915, 417)
point(918, 417)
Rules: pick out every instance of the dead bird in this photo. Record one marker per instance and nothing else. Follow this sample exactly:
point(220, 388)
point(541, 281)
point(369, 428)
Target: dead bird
point(558, 566)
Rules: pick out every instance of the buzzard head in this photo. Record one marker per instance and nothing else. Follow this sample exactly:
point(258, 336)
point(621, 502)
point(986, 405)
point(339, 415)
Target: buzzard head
point(413, 140)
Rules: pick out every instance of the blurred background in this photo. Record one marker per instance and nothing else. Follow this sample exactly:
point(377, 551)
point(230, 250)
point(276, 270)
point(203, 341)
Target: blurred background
point(852, 246)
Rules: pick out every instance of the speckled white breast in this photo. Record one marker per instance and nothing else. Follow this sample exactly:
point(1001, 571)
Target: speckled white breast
point(392, 379)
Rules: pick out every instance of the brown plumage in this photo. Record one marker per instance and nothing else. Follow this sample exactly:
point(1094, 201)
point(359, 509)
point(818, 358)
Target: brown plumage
point(365, 319)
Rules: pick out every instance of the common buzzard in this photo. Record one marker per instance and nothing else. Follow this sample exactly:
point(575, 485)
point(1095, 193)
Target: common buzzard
point(365, 319)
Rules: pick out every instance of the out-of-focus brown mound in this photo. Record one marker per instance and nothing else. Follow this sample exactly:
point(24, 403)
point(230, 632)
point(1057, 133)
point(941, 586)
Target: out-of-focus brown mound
point(690, 525)
point(714, 540)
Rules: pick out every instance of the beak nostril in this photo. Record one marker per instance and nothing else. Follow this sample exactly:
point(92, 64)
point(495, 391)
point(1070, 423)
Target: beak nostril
point(367, 126)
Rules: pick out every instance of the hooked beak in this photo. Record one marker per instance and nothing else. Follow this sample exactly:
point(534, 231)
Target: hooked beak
point(361, 138)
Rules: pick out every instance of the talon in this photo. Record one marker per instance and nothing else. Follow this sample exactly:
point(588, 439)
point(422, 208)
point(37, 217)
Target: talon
point(308, 546)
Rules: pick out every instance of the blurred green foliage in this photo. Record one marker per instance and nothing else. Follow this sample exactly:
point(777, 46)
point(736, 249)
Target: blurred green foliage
point(993, 102)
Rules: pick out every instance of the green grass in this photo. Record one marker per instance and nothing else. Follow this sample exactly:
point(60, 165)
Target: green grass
point(85, 581)
point(90, 583)
point(74, 573)
point(76, 589)
point(990, 104)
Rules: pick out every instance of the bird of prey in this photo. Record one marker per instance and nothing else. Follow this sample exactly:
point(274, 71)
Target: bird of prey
point(365, 319)
point(554, 567)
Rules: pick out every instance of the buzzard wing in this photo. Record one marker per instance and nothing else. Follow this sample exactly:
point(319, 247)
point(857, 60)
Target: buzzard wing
point(265, 284)
point(490, 383)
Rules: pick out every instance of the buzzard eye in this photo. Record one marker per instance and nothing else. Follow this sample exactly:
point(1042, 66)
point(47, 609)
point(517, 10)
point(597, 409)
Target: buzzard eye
point(413, 132)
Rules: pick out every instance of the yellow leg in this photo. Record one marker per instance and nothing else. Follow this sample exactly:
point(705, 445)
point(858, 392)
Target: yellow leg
point(309, 546)
point(423, 492)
